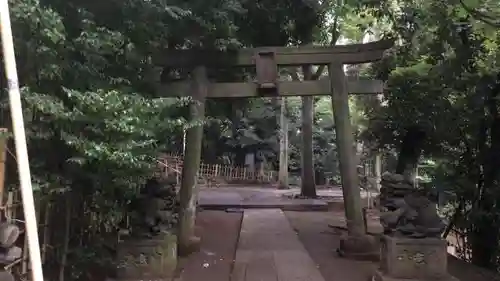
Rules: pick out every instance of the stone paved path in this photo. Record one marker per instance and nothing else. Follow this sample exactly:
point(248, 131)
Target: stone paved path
point(270, 250)
point(255, 197)
point(222, 198)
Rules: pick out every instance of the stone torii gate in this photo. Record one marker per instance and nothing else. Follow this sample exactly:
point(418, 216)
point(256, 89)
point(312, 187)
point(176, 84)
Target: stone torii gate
point(266, 61)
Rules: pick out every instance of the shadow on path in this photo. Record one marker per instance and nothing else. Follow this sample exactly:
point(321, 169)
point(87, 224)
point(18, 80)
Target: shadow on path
point(219, 233)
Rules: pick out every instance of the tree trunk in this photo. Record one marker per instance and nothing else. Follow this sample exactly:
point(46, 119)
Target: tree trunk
point(308, 186)
point(187, 241)
point(409, 152)
point(484, 237)
point(485, 233)
point(262, 165)
point(283, 169)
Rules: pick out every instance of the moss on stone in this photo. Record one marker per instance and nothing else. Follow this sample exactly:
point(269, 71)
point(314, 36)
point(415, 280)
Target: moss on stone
point(147, 258)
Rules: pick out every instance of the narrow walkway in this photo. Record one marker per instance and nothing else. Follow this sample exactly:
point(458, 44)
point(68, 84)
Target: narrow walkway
point(256, 198)
point(270, 250)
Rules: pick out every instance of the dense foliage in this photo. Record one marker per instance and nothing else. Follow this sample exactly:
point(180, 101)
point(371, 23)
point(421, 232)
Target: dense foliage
point(444, 79)
point(94, 122)
point(89, 70)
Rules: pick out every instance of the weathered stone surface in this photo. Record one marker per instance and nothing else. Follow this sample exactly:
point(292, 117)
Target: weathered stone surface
point(407, 211)
point(10, 254)
point(147, 259)
point(379, 276)
point(390, 177)
point(8, 234)
point(408, 258)
point(155, 210)
point(270, 250)
point(6, 276)
point(191, 245)
point(363, 247)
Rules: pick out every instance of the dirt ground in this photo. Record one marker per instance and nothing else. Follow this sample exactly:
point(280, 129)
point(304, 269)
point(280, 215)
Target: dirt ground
point(321, 241)
point(219, 231)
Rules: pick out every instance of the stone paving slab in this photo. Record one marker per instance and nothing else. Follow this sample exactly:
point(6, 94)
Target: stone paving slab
point(296, 205)
point(255, 198)
point(270, 250)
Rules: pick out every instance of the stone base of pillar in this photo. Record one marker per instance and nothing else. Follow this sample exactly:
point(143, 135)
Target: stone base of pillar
point(283, 186)
point(192, 245)
point(364, 247)
point(147, 258)
point(412, 259)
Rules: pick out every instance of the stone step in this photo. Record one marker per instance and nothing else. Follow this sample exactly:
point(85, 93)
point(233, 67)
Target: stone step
point(270, 250)
point(305, 205)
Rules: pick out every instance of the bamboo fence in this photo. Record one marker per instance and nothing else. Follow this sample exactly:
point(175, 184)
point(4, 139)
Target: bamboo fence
point(217, 172)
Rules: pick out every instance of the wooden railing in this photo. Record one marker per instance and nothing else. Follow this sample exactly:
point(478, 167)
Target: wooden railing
point(217, 172)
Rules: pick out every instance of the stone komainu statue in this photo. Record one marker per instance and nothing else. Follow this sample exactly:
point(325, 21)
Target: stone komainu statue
point(155, 210)
point(9, 252)
point(407, 211)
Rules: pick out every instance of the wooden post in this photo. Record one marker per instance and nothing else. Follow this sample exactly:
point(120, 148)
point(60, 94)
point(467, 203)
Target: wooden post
point(177, 174)
point(10, 211)
point(283, 164)
point(357, 243)
point(46, 228)
point(378, 170)
point(367, 187)
point(187, 241)
point(183, 141)
point(3, 150)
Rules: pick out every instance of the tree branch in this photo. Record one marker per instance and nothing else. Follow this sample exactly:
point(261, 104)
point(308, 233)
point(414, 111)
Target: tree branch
point(325, 5)
point(335, 36)
point(294, 75)
point(488, 19)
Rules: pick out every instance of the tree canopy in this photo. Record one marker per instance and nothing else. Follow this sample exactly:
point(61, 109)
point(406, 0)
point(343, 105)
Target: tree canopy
point(95, 123)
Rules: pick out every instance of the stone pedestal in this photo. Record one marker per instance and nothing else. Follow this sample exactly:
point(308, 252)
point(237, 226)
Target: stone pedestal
point(147, 259)
point(189, 246)
point(410, 259)
point(364, 247)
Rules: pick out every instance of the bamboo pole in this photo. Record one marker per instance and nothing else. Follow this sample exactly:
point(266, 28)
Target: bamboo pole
point(67, 233)
point(20, 141)
point(46, 229)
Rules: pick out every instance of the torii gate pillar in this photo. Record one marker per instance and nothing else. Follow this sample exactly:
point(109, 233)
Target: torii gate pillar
point(357, 244)
point(188, 242)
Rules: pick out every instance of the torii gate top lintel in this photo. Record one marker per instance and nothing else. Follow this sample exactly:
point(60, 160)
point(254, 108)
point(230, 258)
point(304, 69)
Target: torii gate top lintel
point(266, 61)
point(285, 56)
